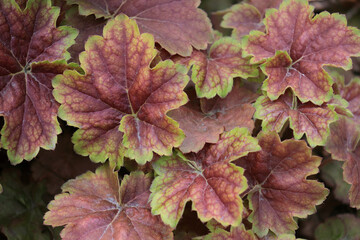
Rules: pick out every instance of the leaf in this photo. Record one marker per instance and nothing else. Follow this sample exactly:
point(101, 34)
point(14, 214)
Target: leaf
point(94, 206)
point(32, 52)
point(342, 226)
point(213, 73)
point(240, 233)
point(332, 174)
point(305, 118)
point(343, 144)
point(87, 26)
point(217, 114)
point(343, 139)
point(350, 92)
point(262, 6)
point(278, 186)
point(22, 208)
point(207, 178)
point(242, 18)
point(245, 17)
point(176, 25)
point(296, 46)
point(121, 102)
point(234, 234)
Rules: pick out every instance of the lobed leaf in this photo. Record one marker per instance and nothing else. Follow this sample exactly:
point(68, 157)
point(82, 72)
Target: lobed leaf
point(207, 178)
point(296, 46)
point(32, 52)
point(248, 16)
point(120, 104)
point(343, 139)
point(216, 116)
point(349, 92)
point(305, 118)
point(278, 186)
point(176, 25)
point(213, 73)
point(343, 144)
point(95, 206)
point(242, 18)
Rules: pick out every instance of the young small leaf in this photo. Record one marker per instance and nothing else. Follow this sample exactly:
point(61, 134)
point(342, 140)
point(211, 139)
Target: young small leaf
point(213, 73)
point(305, 118)
point(94, 206)
point(351, 93)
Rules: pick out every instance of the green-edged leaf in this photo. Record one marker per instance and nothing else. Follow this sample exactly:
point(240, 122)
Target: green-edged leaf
point(32, 52)
point(176, 25)
point(296, 46)
point(305, 118)
point(95, 206)
point(350, 92)
point(207, 178)
point(279, 188)
point(121, 102)
point(213, 73)
point(216, 115)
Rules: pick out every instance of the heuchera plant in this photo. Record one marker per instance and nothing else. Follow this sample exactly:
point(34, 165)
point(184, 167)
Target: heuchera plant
point(187, 130)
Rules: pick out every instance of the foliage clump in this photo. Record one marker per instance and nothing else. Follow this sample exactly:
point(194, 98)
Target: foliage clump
point(197, 128)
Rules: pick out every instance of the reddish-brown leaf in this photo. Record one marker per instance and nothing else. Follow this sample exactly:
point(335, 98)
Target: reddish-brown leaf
point(213, 72)
point(305, 118)
point(245, 17)
point(236, 233)
point(120, 104)
point(94, 206)
point(176, 24)
point(32, 52)
point(217, 114)
point(297, 45)
point(278, 186)
point(350, 92)
point(87, 27)
point(343, 144)
point(207, 178)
